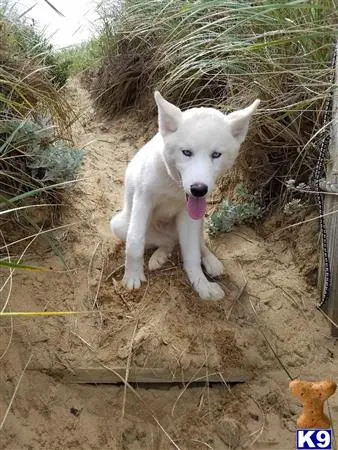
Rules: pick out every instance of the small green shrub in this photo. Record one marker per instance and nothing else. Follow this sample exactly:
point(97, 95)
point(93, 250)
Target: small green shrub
point(245, 209)
point(31, 157)
point(54, 164)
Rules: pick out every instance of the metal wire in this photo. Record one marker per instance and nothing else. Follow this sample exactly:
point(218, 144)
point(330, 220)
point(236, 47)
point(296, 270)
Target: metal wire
point(316, 178)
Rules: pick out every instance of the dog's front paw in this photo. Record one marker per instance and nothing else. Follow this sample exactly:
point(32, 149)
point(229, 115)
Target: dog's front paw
point(212, 265)
point(133, 280)
point(208, 291)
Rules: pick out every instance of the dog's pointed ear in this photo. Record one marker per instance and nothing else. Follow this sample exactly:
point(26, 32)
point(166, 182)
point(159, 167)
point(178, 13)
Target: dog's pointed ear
point(239, 120)
point(169, 115)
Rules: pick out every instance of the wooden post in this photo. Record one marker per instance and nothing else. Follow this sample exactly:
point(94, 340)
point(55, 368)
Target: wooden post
point(331, 221)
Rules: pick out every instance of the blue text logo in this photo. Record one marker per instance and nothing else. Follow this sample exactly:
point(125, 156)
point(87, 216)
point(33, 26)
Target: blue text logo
point(314, 439)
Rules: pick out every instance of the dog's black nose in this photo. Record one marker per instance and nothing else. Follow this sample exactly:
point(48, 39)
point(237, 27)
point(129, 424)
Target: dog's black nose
point(198, 189)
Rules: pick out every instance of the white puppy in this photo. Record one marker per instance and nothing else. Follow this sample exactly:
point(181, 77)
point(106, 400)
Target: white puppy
point(166, 184)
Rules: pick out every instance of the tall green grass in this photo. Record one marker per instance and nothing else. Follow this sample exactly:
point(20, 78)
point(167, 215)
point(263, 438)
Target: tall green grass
point(82, 59)
point(35, 117)
point(31, 42)
point(214, 52)
point(37, 158)
point(226, 53)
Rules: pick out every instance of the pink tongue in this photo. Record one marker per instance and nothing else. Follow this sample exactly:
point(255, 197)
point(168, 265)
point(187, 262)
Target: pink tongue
point(196, 207)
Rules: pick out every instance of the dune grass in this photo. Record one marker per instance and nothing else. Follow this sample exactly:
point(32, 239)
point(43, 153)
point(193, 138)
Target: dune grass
point(82, 59)
point(35, 117)
point(225, 54)
point(216, 52)
point(37, 159)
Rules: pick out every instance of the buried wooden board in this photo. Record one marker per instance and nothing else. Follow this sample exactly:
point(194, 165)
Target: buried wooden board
point(141, 375)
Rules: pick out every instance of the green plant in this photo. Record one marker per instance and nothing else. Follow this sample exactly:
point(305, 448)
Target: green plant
point(226, 53)
point(31, 157)
point(245, 209)
point(14, 265)
point(83, 58)
point(27, 88)
point(59, 71)
point(27, 41)
point(37, 159)
point(35, 138)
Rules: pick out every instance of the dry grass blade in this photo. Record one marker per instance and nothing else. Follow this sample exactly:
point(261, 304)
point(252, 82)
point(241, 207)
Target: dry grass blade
point(28, 10)
point(9, 340)
point(304, 221)
point(185, 388)
point(54, 8)
point(239, 295)
point(30, 90)
point(43, 313)
point(127, 371)
point(9, 279)
point(332, 322)
point(34, 192)
point(90, 268)
point(257, 433)
point(280, 362)
point(40, 233)
point(14, 393)
point(146, 406)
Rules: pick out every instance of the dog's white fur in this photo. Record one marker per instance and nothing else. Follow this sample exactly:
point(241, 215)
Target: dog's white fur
point(157, 180)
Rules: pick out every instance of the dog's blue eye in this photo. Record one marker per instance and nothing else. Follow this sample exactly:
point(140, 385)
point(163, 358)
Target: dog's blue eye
point(187, 153)
point(216, 155)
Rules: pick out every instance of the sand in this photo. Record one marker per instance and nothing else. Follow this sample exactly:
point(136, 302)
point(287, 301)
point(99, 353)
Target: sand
point(270, 303)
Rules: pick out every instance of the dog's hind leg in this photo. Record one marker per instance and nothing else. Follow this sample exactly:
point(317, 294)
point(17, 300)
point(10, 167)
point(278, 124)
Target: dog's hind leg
point(120, 222)
point(164, 239)
point(119, 225)
point(211, 263)
point(160, 257)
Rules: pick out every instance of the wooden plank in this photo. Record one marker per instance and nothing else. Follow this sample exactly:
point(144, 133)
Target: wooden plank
point(140, 375)
point(331, 221)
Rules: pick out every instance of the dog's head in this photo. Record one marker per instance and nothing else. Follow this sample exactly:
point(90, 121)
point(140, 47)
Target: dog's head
point(199, 144)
